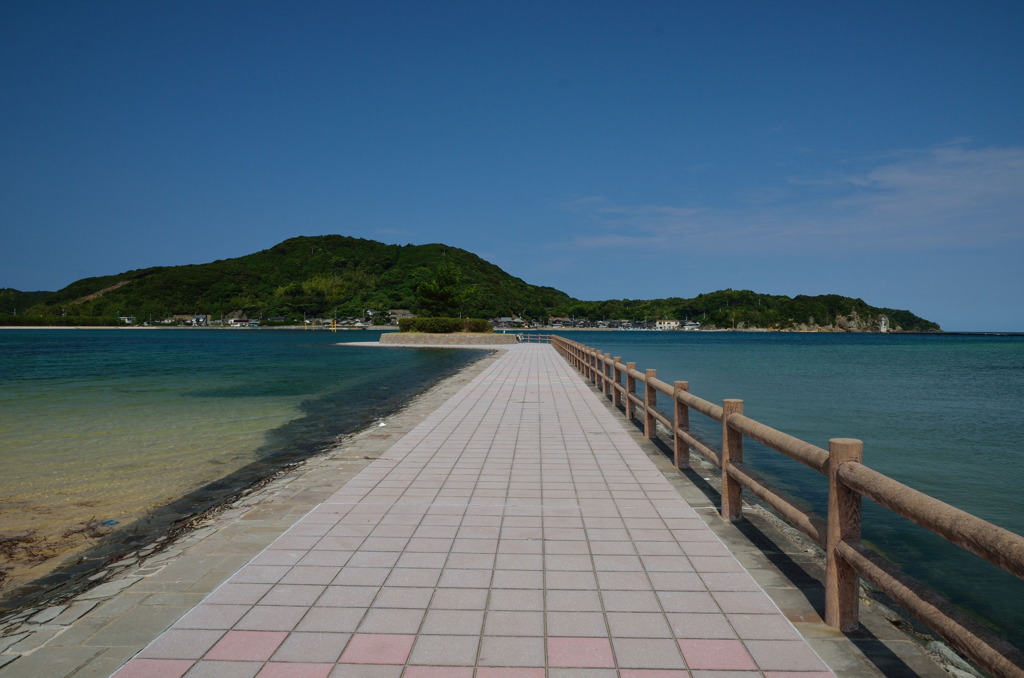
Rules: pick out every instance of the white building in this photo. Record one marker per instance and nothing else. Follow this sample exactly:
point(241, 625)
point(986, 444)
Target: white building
point(668, 325)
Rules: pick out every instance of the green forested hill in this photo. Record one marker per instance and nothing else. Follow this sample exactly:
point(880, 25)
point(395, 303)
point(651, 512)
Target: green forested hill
point(743, 309)
point(322, 276)
point(338, 276)
point(13, 301)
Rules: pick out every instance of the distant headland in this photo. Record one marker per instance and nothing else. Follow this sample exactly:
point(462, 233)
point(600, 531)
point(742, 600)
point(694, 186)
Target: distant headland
point(362, 282)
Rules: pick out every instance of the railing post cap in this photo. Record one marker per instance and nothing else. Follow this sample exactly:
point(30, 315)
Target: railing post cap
point(845, 441)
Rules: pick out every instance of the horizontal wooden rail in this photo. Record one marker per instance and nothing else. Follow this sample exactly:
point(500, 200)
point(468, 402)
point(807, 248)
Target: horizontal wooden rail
point(991, 542)
point(808, 522)
point(637, 391)
point(794, 448)
point(952, 624)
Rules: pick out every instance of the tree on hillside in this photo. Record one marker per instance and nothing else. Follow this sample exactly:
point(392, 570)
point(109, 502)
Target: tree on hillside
point(444, 294)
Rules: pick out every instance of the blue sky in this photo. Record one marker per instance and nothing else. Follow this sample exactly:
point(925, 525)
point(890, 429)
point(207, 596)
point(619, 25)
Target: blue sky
point(609, 149)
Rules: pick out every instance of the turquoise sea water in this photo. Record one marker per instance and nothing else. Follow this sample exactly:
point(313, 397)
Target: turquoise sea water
point(119, 425)
point(941, 413)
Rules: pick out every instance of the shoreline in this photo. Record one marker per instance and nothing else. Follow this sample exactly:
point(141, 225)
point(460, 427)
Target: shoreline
point(131, 544)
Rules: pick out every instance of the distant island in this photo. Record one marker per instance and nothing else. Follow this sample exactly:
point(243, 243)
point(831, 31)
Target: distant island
point(353, 279)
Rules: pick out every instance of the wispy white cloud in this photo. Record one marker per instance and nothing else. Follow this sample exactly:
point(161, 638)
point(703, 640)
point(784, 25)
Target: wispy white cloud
point(952, 195)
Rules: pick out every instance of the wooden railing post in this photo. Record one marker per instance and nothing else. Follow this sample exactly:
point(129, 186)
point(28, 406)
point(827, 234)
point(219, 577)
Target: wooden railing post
point(732, 450)
point(630, 391)
point(681, 420)
point(616, 381)
point(650, 400)
point(844, 505)
point(604, 373)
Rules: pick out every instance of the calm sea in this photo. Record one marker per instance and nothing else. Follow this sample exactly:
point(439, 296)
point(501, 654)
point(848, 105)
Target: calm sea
point(941, 413)
point(130, 427)
point(117, 425)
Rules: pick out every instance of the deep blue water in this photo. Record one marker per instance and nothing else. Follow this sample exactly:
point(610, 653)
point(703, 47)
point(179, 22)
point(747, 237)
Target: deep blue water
point(940, 413)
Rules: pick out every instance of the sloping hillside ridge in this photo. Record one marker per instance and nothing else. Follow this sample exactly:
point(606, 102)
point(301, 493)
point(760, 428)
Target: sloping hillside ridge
point(341, 276)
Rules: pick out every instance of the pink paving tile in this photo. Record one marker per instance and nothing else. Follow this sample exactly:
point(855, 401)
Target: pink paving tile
point(653, 673)
point(718, 655)
point(368, 648)
point(580, 652)
point(290, 670)
point(154, 668)
point(246, 645)
point(798, 674)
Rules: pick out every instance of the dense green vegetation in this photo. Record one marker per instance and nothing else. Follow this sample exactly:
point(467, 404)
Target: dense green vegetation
point(745, 309)
point(338, 276)
point(13, 302)
point(323, 276)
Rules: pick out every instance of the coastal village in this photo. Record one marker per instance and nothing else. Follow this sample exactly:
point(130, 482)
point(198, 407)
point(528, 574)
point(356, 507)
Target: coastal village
point(373, 319)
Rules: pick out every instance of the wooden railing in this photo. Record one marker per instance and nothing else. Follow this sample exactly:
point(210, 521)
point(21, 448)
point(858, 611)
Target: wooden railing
point(530, 338)
point(838, 533)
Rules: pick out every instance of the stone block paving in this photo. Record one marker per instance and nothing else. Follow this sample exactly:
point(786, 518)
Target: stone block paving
point(517, 532)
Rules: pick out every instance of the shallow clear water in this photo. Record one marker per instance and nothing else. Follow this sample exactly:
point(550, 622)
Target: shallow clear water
point(941, 414)
point(113, 425)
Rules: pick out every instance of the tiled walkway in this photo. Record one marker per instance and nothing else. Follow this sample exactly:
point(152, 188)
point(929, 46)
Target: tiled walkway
point(518, 532)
